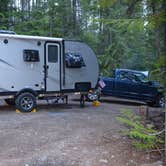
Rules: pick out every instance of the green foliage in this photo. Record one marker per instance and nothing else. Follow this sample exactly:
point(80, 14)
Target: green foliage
point(107, 3)
point(91, 39)
point(122, 33)
point(143, 137)
point(104, 64)
point(159, 71)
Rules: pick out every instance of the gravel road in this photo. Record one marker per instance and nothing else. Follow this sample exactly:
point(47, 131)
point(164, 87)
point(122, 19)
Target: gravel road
point(67, 135)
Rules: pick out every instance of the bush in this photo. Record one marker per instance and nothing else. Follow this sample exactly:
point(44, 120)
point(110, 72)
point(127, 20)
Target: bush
point(143, 136)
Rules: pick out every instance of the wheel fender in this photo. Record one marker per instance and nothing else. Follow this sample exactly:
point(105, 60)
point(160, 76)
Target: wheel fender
point(27, 90)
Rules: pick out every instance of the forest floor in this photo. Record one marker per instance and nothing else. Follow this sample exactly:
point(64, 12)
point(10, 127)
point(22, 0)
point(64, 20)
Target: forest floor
point(67, 135)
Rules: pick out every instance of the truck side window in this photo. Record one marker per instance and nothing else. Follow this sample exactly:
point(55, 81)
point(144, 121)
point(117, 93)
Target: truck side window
point(52, 53)
point(123, 76)
point(132, 77)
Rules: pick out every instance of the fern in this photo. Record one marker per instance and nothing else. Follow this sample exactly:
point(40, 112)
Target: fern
point(142, 136)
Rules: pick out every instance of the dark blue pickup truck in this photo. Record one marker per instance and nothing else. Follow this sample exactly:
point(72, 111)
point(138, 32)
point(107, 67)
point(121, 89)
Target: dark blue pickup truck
point(131, 84)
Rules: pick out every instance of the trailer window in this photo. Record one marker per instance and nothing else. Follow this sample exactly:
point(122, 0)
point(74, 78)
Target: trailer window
point(74, 60)
point(31, 55)
point(52, 53)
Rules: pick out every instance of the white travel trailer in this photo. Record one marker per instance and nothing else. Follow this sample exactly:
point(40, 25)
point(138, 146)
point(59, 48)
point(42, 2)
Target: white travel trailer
point(33, 67)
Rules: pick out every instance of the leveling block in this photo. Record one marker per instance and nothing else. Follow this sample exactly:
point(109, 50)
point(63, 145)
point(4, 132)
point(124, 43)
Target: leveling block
point(18, 111)
point(96, 103)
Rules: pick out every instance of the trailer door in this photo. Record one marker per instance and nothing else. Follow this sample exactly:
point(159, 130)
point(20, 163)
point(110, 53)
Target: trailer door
point(52, 66)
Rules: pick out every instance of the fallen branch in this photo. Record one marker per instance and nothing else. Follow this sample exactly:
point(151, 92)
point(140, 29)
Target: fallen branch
point(155, 150)
point(158, 133)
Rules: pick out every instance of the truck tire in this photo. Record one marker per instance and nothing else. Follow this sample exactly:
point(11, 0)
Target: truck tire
point(10, 101)
point(161, 101)
point(25, 102)
point(151, 104)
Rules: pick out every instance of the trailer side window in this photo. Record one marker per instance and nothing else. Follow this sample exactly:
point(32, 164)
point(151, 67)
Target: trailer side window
point(31, 55)
point(52, 53)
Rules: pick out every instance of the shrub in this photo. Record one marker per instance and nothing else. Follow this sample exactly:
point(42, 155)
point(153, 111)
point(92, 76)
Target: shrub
point(143, 136)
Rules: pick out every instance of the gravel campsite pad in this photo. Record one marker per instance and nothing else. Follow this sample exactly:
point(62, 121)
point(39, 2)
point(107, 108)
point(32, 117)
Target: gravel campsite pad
point(67, 135)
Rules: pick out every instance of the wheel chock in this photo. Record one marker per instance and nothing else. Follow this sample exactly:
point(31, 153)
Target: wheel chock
point(18, 111)
point(34, 110)
point(96, 103)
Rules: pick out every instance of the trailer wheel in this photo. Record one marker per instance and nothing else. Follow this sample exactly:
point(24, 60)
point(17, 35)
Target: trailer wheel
point(26, 102)
point(10, 101)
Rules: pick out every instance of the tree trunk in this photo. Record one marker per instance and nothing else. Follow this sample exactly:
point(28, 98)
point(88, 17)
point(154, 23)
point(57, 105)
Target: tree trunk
point(164, 25)
point(131, 7)
point(74, 5)
point(157, 31)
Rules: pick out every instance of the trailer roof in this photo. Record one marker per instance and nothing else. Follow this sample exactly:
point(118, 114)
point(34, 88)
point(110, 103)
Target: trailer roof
point(31, 37)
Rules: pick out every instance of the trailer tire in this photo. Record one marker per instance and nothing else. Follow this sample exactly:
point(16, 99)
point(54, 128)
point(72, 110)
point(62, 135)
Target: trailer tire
point(26, 102)
point(10, 101)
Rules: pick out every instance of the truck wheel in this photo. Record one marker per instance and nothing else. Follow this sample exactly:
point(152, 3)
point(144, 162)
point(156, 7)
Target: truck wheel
point(161, 101)
point(10, 101)
point(151, 104)
point(26, 102)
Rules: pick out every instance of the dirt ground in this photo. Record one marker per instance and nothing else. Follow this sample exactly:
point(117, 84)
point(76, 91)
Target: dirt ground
point(67, 135)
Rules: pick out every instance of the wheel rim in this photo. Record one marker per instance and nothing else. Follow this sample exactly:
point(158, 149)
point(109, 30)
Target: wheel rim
point(162, 102)
point(26, 103)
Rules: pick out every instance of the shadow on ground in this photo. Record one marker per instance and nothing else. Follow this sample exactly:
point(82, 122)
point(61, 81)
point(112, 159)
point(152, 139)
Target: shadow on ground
point(52, 107)
point(74, 103)
point(122, 102)
point(118, 101)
